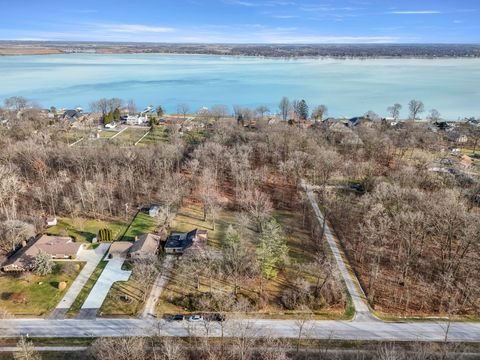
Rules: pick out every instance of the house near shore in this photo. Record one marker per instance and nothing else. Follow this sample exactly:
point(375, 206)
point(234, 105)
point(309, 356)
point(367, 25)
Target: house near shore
point(58, 247)
point(178, 243)
point(72, 115)
point(136, 120)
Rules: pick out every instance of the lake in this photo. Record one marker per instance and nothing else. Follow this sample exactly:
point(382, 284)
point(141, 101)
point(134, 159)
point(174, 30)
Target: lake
point(347, 87)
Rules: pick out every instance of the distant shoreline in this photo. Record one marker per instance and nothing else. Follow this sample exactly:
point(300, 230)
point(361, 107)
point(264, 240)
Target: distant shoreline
point(319, 51)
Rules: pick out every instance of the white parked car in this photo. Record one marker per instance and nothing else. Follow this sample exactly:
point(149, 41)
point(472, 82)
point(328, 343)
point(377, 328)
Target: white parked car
point(111, 125)
point(195, 318)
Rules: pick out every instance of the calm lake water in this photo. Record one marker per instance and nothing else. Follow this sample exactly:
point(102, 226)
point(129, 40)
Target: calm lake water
point(347, 87)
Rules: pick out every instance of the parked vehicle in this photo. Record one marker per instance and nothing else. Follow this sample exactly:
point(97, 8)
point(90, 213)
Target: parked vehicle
point(177, 317)
point(215, 317)
point(195, 318)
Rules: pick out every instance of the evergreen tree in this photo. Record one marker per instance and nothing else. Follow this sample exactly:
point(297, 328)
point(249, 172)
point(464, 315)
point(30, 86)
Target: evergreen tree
point(272, 252)
point(42, 264)
point(116, 114)
point(108, 118)
point(302, 110)
point(160, 111)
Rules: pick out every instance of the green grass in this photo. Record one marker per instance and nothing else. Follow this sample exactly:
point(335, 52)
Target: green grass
point(142, 224)
point(191, 217)
point(130, 136)
point(84, 230)
point(158, 134)
point(41, 292)
point(114, 306)
point(469, 152)
point(73, 135)
point(107, 134)
point(82, 296)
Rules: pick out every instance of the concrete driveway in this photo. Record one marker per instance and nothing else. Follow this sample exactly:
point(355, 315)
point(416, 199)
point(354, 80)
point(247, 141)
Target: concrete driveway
point(359, 300)
point(112, 273)
point(158, 286)
point(92, 258)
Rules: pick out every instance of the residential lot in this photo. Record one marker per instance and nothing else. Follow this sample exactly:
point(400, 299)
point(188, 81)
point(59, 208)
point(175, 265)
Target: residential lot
point(84, 230)
point(156, 135)
point(185, 291)
point(130, 136)
point(27, 294)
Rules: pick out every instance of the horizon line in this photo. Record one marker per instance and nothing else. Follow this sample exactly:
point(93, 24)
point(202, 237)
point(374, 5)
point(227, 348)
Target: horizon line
point(233, 43)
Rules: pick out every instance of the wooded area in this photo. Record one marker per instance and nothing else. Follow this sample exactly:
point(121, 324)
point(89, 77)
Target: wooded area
point(411, 233)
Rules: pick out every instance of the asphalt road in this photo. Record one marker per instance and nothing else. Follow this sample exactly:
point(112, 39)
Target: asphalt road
point(344, 330)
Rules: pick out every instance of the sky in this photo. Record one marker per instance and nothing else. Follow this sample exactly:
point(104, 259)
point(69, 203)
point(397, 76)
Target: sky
point(243, 21)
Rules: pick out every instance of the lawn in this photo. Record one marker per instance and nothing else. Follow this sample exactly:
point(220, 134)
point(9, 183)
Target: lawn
point(469, 152)
point(301, 250)
point(84, 230)
point(130, 136)
point(82, 296)
point(158, 134)
point(190, 217)
point(74, 135)
point(41, 294)
point(142, 224)
point(107, 134)
point(115, 303)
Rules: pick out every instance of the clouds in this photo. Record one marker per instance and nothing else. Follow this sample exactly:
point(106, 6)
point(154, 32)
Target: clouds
point(416, 12)
point(135, 28)
point(248, 21)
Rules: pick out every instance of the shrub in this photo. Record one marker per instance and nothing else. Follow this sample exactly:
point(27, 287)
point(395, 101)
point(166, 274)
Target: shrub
point(62, 285)
point(42, 264)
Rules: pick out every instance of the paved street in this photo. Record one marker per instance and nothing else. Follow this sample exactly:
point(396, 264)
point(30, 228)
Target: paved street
point(345, 330)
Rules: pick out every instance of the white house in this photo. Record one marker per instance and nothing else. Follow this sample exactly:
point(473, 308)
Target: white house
point(136, 120)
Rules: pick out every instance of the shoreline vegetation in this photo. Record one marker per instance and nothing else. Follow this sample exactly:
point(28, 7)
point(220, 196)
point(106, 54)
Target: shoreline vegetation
point(337, 51)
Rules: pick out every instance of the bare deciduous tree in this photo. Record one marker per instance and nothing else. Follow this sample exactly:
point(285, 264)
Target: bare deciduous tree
point(183, 109)
point(416, 107)
point(258, 205)
point(27, 351)
point(394, 110)
point(284, 108)
point(319, 112)
point(120, 348)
